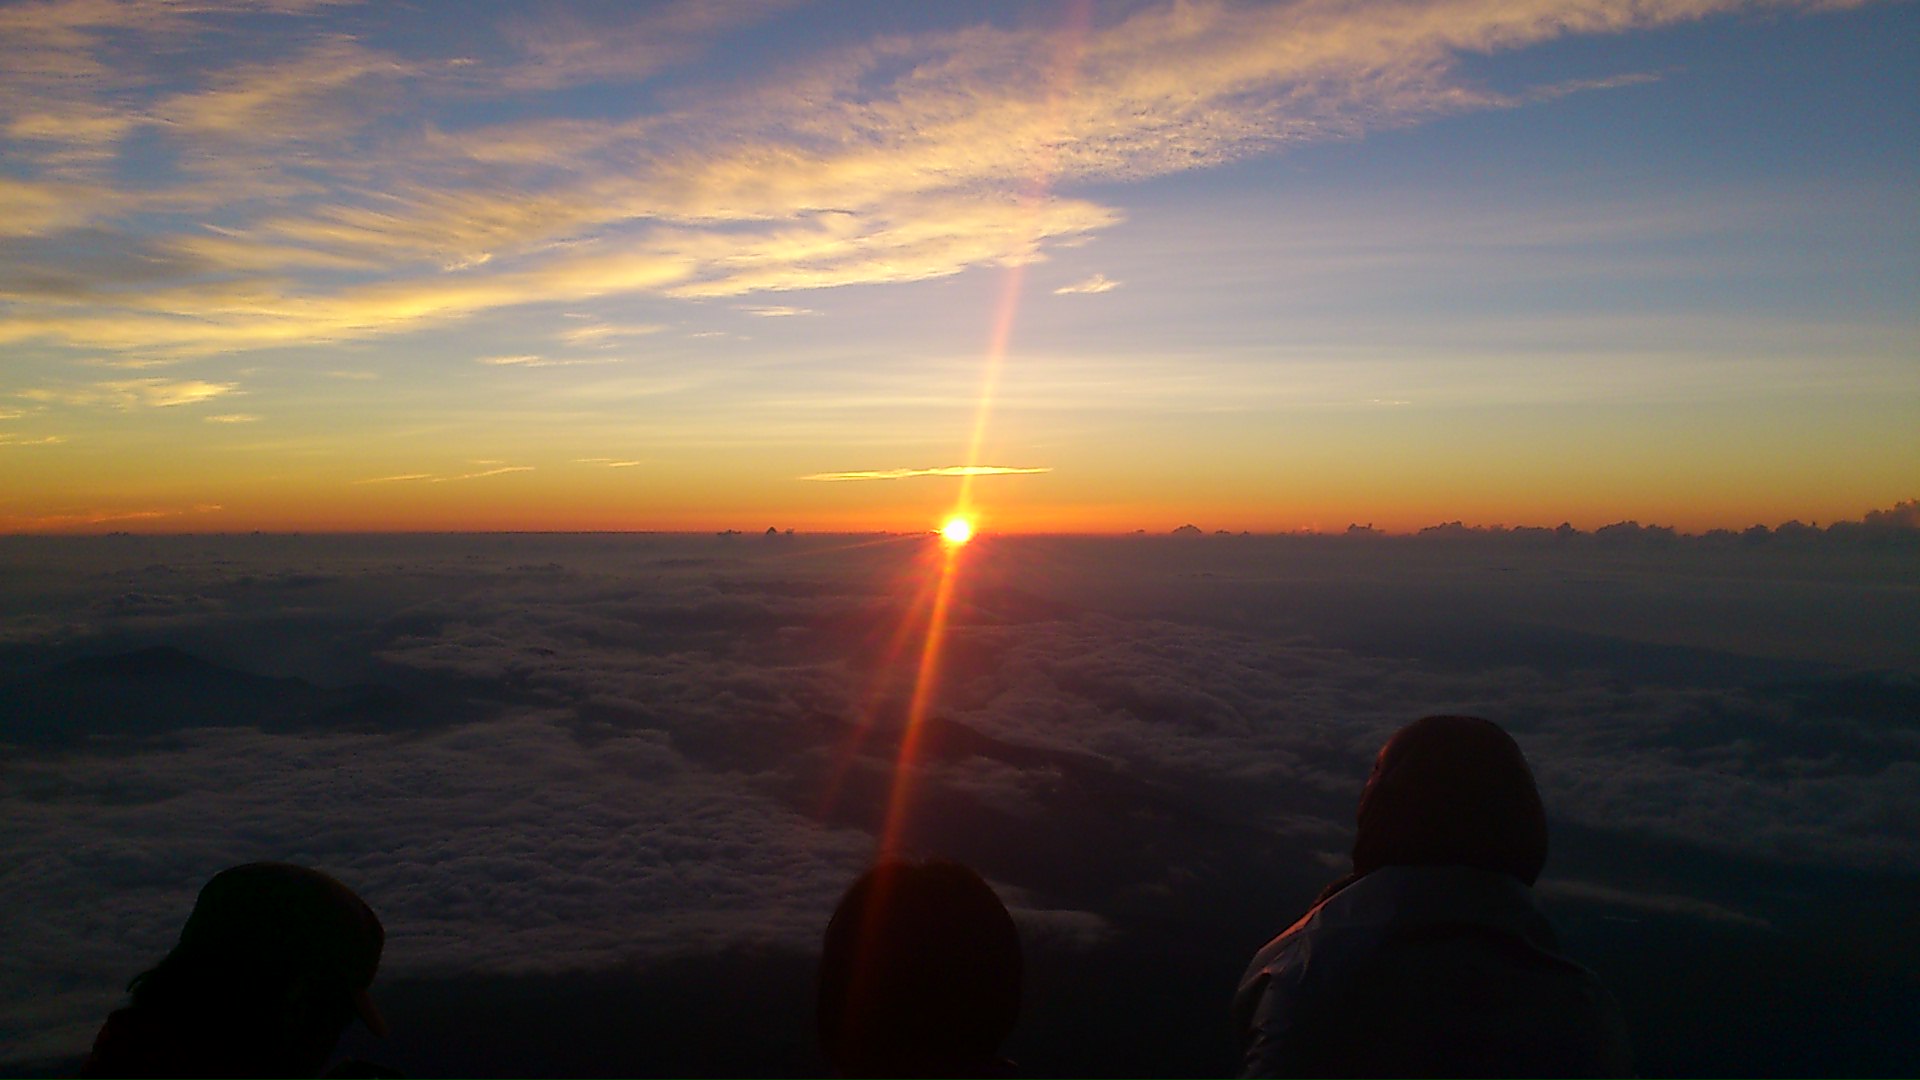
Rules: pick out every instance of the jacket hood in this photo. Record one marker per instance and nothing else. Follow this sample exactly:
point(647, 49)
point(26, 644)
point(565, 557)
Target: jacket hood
point(1452, 791)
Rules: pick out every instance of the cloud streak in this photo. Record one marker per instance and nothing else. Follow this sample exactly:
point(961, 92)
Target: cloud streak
point(943, 470)
point(529, 360)
point(1098, 283)
point(127, 394)
point(28, 523)
point(436, 478)
point(605, 334)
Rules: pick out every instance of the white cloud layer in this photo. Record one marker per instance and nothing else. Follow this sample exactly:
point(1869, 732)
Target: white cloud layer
point(612, 749)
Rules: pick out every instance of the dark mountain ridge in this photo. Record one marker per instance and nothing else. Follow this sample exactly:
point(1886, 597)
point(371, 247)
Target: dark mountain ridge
point(158, 690)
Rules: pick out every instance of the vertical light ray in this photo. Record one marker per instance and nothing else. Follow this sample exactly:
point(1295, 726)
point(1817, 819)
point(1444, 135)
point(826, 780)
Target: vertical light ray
point(926, 679)
point(1005, 308)
point(1068, 46)
point(849, 751)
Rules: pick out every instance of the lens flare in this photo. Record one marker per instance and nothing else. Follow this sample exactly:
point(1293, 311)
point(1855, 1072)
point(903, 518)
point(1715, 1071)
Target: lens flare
point(958, 529)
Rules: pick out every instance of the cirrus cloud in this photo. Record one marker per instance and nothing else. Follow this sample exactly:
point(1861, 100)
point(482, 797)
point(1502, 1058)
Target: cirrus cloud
point(900, 158)
point(1098, 283)
point(943, 470)
point(133, 393)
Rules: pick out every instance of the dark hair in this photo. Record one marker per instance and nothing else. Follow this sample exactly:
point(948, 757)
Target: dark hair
point(1452, 791)
point(920, 973)
point(271, 967)
point(258, 926)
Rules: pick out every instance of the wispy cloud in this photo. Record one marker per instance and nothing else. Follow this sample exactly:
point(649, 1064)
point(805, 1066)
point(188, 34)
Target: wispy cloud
point(944, 470)
point(777, 311)
point(605, 334)
point(607, 463)
point(899, 159)
point(83, 518)
point(134, 393)
point(1098, 283)
point(439, 478)
point(559, 48)
point(24, 440)
point(232, 418)
point(533, 360)
point(400, 478)
point(238, 252)
point(502, 470)
point(167, 393)
point(28, 208)
point(308, 95)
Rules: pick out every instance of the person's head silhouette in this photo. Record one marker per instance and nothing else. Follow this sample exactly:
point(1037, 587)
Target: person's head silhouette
point(920, 974)
point(273, 964)
point(1452, 791)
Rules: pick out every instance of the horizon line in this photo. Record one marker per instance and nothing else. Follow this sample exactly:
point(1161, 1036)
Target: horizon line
point(1444, 531)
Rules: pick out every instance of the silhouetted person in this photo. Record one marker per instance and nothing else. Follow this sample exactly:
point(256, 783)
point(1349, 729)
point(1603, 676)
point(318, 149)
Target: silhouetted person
point(920, 974)
point(1430, 958)
point(272, 965)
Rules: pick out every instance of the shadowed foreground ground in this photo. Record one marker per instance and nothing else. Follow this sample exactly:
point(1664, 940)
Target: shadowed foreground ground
point(1702, 1001)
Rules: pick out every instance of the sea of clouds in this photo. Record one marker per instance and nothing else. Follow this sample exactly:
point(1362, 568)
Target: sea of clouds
point(552, 755)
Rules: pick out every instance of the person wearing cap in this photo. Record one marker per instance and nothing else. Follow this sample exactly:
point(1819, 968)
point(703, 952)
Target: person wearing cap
point(1431, 958)
point(919, 974)
point(272, 966)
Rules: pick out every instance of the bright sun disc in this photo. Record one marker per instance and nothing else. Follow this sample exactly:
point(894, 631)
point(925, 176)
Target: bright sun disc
point(957, 530)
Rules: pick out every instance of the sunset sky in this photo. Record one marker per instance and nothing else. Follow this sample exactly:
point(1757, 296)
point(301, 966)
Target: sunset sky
point(326, 266)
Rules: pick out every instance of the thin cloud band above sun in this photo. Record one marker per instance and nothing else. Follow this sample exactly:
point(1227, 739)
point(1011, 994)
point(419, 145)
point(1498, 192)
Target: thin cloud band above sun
point(433, 479)
point(944, 470)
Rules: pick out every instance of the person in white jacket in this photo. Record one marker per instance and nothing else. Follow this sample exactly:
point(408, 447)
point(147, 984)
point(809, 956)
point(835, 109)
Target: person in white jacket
point(1430, 958)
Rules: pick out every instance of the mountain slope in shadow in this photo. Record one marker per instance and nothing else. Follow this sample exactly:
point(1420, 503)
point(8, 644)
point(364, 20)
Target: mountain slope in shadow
point(154, 691)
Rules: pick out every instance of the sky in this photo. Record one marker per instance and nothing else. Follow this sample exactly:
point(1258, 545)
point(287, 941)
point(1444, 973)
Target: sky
point(1096, 268)
point(604, 791)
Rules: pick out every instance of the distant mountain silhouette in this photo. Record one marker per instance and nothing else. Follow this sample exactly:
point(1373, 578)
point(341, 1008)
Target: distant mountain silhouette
point(153, 691)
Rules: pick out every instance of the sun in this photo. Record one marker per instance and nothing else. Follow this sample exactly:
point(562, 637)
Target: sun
point(957, 530)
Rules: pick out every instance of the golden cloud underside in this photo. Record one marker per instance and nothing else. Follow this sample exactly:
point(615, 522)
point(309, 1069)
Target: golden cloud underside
point(835, 172)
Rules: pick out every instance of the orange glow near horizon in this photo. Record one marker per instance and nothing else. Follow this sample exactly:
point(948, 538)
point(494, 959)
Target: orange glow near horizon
point(1088, 512)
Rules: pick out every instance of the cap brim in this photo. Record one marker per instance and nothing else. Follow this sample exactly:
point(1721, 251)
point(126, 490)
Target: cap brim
point(363, 1005)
